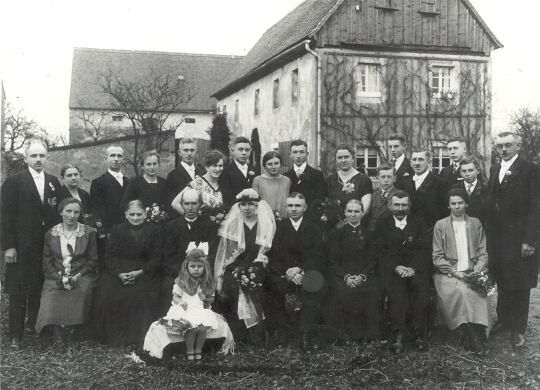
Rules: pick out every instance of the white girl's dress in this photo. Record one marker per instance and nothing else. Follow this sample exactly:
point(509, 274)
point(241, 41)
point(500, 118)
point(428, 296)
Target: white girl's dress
point(157, 337)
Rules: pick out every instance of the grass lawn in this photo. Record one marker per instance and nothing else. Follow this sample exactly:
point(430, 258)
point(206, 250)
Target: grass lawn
point(48, 364)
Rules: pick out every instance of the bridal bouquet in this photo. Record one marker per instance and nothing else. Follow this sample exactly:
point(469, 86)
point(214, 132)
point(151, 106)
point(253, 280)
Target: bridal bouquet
point(176, 326)
point(156, 214)
point(249, 278)
point(215, 214)
point(480, 282)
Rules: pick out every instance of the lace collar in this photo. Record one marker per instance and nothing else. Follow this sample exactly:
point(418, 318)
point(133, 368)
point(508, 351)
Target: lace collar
point(56, 231)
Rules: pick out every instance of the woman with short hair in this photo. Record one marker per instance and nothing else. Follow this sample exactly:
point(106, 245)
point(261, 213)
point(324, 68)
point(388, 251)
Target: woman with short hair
point(272, 186)
point(71, 179)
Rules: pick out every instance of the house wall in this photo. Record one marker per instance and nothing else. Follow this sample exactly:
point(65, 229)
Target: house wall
point(290, 120)
point(79, 120)
point(406, 104)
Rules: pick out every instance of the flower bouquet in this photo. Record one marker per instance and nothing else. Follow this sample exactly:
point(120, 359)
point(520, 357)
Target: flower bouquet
point(90, 220)
point(156, 214)
point(176, 326)
point(65, 280)
point(215, 214)
point(329, 209)
point(480, 282)
point(250, 279)
point(292, 302)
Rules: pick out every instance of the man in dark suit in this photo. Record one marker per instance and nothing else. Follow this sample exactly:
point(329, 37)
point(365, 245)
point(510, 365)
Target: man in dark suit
point(513, 232)
point(185, 172)
point(238, 174)
point(403, 247)
point(296, 270)
point(457, 150)
point(379, 199)
point(402, 166)
point(106, 193)
point(28, 210)
point(305, 179)
point(426, 190)
point(475, 189)
point(178, 234)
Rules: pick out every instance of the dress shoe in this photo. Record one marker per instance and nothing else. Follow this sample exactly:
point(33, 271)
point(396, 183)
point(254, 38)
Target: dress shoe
point(498, 327)
point(397, 346)
point(16, 343)
point(517, 340)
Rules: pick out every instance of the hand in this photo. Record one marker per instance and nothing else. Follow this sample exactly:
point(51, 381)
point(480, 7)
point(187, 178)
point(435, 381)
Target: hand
point(261, 259)
point(358, 280)
point(291, 272)
point(410, 272)
point(479, 268)
point(446, 269)
point(202, 296)
point(458, 275)
point(350, 281)
point(401, 271)
point(125, 278)
point(11, 256)
point(526, 250)
point(297, 279)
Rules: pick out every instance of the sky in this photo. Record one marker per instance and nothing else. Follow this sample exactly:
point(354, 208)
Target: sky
point(37, 39)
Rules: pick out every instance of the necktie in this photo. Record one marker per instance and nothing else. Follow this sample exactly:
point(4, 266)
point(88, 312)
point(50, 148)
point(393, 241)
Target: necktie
point(469, 188)
point(394, 161)
point(456, 167)
point(385, 194)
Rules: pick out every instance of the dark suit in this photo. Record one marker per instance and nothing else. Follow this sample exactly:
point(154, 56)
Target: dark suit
point(177, 180)
point(233, 181)
point(410, 247)
point(25, 219)
point(379, 206)
point(85, 200)
point(311, 185)
point(403, 173)
point(303, 249)
point(453, 177)
point(477, 200)
point(176, 238)
point(513, 218)
point(428, 200)
point(106, 195)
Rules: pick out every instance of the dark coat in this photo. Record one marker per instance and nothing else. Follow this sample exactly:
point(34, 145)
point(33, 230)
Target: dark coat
point(148, 193)
point(477, 200)
point(177, 237)
point(403, 174)
point(452, 178)
point(311, 184)
point(428, 201)
point(24, 221)
point(178, 179)
point(85, 200)
point(232, 182)
point(513, 218)
point(106, 195)
point(379, 207)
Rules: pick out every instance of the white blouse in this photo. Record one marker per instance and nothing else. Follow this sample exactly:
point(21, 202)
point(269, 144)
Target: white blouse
point(460, 232)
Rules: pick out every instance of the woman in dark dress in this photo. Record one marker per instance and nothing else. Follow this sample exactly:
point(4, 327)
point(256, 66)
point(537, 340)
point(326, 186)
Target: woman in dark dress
point(246, 236)
point(347, 183)
point(71, 178)
point(149, 188)
point(127, 292)
point(353, 308)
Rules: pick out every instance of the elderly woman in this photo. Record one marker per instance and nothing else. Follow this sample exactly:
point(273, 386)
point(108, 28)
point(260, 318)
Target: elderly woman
point(69, 267)
point(71, 178)
point(272, 186)
point(127, 293)
point(459, 247)
point(246, 235)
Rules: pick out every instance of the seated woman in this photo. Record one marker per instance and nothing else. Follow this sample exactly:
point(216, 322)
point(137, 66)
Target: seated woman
point(127, 293)
point(69, 267)
point(459, 247)
point(353, 286)
point(246, 235)
point(272, 186)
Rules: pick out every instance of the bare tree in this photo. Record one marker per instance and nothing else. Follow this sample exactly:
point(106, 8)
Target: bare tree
point(20, 129)
point(95, 123)
point(147, 102)
point(526, 123)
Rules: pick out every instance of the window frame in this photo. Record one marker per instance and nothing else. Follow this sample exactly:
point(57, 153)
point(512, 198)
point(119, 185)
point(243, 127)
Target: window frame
point(257, 102)
point(372, 68)
point(275, 94)
point(361, 152)
point(441, 155)
point(446, 93)
point(295, 89)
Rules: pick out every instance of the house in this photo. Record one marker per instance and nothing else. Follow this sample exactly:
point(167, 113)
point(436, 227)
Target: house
point(354, 71)
point(92, 113)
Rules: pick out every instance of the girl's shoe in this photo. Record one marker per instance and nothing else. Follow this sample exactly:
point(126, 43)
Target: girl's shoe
point(198, 356)
point(190, 357)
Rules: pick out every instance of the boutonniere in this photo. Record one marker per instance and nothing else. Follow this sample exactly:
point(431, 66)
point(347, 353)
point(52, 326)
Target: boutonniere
point(348, 188)
point(460, 178)
point(52, 201)
point(408, 240)
point(251, 173)
point(51, 185)
point(508, 173)
point(406, 174)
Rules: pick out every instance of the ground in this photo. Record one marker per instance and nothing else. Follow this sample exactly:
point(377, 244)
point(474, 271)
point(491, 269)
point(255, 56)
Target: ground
point(47, 364)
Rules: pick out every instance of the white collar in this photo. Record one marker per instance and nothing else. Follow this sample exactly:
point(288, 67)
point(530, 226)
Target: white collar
point(471, 185)
point(508, 164)
point(243, 167)
point(116, 174)
point(188, 167)
point(300, 168)
point(421, 177)
point(400, 224)
point(399, 161)
point(354, 227)
point(190, 220)
point(35, 174)
point(296, 225)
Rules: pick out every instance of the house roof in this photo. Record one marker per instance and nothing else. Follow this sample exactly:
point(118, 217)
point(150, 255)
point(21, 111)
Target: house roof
point(300, 24)
point(202, 72)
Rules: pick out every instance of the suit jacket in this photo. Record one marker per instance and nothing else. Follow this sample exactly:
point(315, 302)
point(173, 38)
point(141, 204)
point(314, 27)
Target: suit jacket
point(311, 184)
point(404, 172)
point(177, 237)
point(106, 196)
point(477, 200)
point(379, 206)
point(513, 218)
point(428, 200)
point(85, 200)
point(452, 178)
point(232, 181)
point(177, 180)
point(24, 221)
point(445, 248)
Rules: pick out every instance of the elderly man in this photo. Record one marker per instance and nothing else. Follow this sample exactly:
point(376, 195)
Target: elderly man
point(403, 248)
point(28, 210)
point(238, 174)
point(402, 166)
point(296, 270)
point(178, 234)
point(513, 231)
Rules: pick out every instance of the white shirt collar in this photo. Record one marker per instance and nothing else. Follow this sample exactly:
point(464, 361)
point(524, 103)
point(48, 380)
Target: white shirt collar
point(35, 174)
point(117, 175)
point(243, 167)
point(188, 167)
point(354, 227)
point(419, 179)
point(400, 224)
point(471, 185)
point(300, 169)
point(508, 164)
point(296, 225)
point(399, 161)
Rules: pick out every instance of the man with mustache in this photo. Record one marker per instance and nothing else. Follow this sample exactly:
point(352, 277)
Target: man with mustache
point(28, 210)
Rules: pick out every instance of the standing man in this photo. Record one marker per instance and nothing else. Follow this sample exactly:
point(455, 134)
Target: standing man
point(402, 165)
point(381, 196)
point(426, 190)
point(475, 189)
point(106, 193)
point(238, 174)
point(457, 149)
point(181, 176)
point(305, 179)
point(28, 210)
point(513, 232)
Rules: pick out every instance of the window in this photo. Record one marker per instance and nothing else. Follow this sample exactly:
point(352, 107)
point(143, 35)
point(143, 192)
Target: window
point(367, 81)
point(256, 103)
point(236, 110)
point(440, 159)
point(275, 100)
point(440, 82)
point(294, 86)
point(117, 118)
point(368, 159)
point(189, 120)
